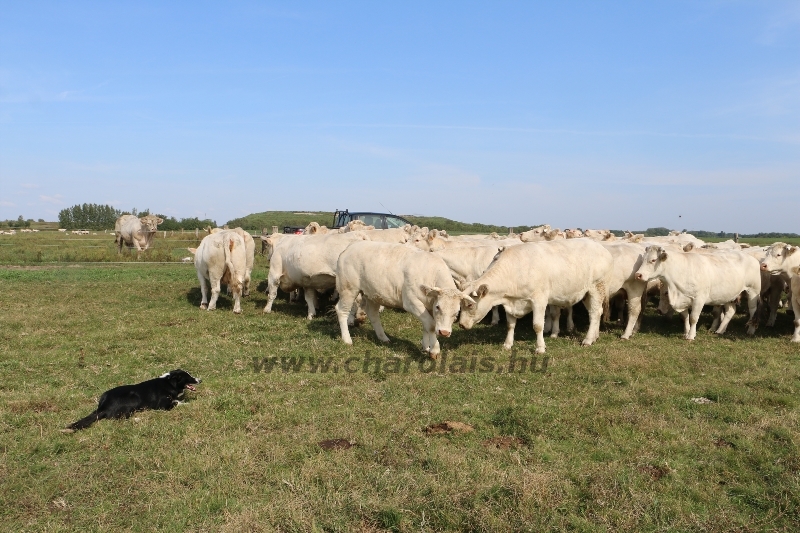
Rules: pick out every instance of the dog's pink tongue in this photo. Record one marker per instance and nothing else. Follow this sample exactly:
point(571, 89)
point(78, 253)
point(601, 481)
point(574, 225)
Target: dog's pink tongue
point(190, 387)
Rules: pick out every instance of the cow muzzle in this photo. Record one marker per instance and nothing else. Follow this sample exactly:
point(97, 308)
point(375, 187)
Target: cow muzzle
point(764, 267)
point(639, 277)
point(444, 332)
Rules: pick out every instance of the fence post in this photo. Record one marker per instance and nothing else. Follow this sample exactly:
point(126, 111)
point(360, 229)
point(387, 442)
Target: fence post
point(196, 233)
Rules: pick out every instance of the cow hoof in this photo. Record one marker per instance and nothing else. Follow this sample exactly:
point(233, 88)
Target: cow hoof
point(507, 346)
point(235, 312)
point(203, 307)
point(540, 350)
point(434, 356)
point(625, 337)
point(554, 335)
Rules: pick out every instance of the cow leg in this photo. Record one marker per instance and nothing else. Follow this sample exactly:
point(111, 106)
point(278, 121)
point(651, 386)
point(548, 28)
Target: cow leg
point(555, 321)
point(753, 303)
point(215, 288)
point(775, 290)
point(237, 301)
point(246, 286)
point(511, 322)
point(593, 301)
point(717, 311)
point(796, 309)
point(495, 315)
point(430, 343)
point(730, 310)
point(272, 293)
point(694, 316)
point(570, 323)
point(374, 315)
point(343, 307)
point(620, 305)
point(203, 291)
point(547, 327)
point(634, 316)
point(539, 312)
point(311, 302)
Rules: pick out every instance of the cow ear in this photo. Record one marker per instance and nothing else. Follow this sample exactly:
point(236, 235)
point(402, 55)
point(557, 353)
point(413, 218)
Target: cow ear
point(431, 291)
point(662, 256)
point(795, 270)
point(192, 250)
point(483, 290)
point(465, 298)
point(689, 247)
point(160, 220)
point(790, 250)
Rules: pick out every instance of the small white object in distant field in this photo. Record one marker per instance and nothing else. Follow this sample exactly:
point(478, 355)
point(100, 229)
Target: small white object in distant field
point(702, 401)
point(187, 259)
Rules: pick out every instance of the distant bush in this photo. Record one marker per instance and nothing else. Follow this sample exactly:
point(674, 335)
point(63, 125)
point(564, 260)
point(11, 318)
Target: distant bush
point(88, 216)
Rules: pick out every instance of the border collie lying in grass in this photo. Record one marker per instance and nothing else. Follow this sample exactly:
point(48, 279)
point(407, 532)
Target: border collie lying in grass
point(163, 392)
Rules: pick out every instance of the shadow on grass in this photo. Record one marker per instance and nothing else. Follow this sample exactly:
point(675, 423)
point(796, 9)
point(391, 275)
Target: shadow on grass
point(194, 296)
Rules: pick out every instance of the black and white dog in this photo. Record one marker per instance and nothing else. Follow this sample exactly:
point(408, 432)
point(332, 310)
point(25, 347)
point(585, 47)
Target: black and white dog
point(163, 392)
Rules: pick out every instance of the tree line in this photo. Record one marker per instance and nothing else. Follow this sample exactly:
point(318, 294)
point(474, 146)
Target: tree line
point(96, 216)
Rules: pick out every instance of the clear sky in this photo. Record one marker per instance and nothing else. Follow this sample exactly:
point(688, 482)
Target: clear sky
point(625, 115)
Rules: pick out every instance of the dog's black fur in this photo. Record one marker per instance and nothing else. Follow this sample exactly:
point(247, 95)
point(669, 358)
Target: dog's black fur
point(160, 393)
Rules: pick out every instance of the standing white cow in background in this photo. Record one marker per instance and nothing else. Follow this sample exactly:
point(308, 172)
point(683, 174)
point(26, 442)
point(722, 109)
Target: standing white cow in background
point(221, 258)
point(131, 230)
point(697, 279)
point(531, 276)
point(399, 276)
point(250, 250)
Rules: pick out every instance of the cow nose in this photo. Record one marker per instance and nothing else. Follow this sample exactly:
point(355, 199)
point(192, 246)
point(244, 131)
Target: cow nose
point(638, 276)
point(444, 333)
point(763, 266)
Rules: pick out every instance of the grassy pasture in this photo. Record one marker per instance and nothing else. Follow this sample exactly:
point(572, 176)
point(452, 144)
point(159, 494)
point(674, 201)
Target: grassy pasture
point(56, 247)
point(608, 437)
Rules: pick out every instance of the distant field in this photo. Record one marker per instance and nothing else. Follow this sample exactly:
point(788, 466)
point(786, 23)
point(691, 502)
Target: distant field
point(607, 438)
point(53, 246)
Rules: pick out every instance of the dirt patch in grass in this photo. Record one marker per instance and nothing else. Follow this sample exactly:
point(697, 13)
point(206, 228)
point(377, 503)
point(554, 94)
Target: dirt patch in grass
point(447, 427)
point(655, 472)
point(336, 444)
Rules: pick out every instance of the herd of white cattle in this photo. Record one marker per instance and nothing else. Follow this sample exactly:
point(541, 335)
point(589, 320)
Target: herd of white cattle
point(441, 278)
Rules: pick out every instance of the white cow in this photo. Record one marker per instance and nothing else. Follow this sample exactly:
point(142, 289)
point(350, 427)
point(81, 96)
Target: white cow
point(250, 250)
point(306, 262)
point(697, 279)
point(221, 258)
point(532, 276)
point(402, 277)
point(622, 280)
point(796, 302)
point(131, 230)
point(467, 263)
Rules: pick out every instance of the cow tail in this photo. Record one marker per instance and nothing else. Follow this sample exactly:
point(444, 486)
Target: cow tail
point(229, 246)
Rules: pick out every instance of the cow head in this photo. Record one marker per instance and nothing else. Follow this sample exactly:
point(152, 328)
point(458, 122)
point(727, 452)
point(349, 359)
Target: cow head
point(474, 305)
point(150, 222)
point(652, 263)
point(780, 258)
point(534, 234)
point(435, 240)
point(444, 305)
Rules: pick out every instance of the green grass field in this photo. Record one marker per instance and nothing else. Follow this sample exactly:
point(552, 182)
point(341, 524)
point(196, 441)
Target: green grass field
point(607, 438)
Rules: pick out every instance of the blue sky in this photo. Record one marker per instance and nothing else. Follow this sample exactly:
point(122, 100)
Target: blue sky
point(579, 114)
